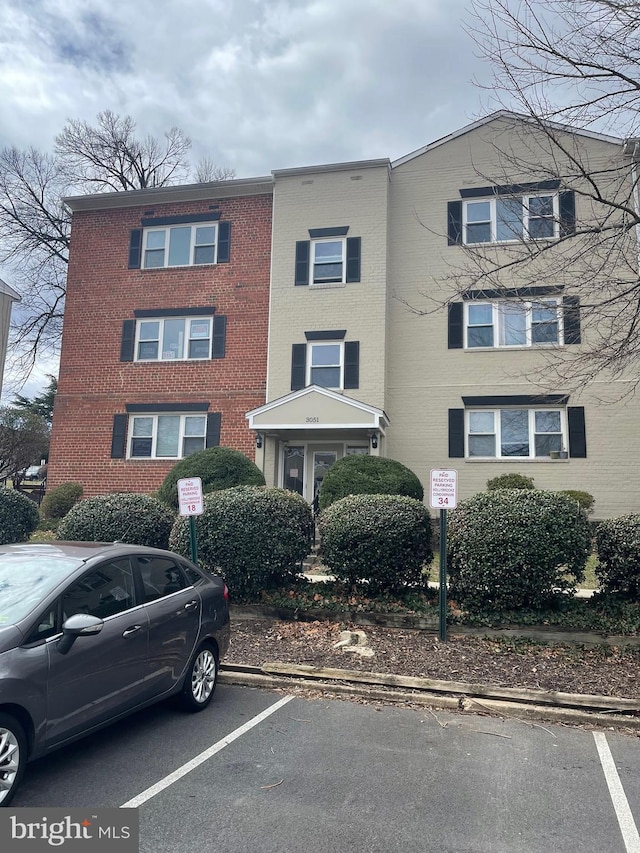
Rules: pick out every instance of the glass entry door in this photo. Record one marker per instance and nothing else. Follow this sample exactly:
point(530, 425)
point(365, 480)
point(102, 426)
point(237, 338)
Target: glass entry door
point(322, 461)
point(293, 478)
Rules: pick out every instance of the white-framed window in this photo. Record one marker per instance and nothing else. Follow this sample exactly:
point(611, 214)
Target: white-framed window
point(508, 219)
point(527, 433)
point(173, 338)
point(513, 324)
point(325, 363)
point(328, 260)
point(166, 436)
point(180, 245)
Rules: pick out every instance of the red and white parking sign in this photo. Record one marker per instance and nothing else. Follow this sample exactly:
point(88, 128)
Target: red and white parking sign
point(190, 496)
point(444, 489)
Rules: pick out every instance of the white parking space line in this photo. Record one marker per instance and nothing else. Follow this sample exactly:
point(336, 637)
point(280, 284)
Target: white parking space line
point(204, 756)
point(626, 822)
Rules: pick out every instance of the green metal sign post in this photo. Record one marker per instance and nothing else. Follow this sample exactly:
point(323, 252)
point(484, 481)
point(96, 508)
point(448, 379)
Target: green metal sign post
point(442, 633)
point(443, 496)
point(193, 539)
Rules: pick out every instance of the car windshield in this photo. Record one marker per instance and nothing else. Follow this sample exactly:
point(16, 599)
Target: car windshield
point(25, 579)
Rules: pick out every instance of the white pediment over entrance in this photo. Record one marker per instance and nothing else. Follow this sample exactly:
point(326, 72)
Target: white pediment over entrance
point(316, 408)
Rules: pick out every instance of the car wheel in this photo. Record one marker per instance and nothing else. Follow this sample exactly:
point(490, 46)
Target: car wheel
point(13, 757)
point(200, 681)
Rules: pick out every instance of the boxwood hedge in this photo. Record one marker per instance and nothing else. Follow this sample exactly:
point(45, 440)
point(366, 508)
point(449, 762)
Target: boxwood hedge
point(19, 516)
point(514, 548)
point(368, 475)
point(57, 502)
point(132, 518)
point(618, 548)
point(255, 537)
point(380, 541)
point(218, 468)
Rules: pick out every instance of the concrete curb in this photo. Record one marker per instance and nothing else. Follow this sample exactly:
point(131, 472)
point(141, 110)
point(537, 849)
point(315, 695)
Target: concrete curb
point(519, 710)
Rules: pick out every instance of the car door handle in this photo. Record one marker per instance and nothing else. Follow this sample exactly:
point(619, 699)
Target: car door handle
point(191, 605)
point(132, 630)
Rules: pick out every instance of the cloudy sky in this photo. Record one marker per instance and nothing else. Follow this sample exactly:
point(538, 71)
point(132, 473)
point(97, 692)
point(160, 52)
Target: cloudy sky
point(256, 84)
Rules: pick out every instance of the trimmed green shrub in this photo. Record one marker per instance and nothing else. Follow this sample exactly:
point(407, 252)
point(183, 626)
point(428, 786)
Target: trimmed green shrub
point(510, 481)
point(618, 549)
point(19, 516)
point(57, 502)
point(368, 475)
point(218, 467)
point(585, 499)
point(254, 537)
point(513, 548)
point(381, 541)
point(124, 517)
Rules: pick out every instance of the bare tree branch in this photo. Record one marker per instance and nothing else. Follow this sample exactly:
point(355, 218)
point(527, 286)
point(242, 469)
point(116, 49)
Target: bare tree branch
point(35, 226)
point(567, 65)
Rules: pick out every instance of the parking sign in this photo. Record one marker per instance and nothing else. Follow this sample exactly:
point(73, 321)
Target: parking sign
point(444, 489)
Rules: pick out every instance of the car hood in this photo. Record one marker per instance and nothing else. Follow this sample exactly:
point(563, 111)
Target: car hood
point(10, 637)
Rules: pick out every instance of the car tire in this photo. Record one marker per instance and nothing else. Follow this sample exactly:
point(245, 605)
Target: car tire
point(13, 757)
point(201, 679)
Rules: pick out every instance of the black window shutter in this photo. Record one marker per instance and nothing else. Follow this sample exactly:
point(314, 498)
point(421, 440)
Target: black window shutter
point(353, 259)
point(128, 339)
point(214, 419)
point(219, 336)
point(567, 213)
point(118, 436)
point(298, 366)
point(352, 364)
point(456, 433)
point(455, 337)
point(224, 242)
point(302, 261)
point(577, 432)
point(571, 311)
point(135, 248)
point(454, 223)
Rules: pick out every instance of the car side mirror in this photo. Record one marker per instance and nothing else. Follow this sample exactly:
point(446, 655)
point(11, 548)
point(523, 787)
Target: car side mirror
point(78, 625)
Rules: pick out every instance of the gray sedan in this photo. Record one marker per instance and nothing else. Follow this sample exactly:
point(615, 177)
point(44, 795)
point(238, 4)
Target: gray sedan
point(90, 632)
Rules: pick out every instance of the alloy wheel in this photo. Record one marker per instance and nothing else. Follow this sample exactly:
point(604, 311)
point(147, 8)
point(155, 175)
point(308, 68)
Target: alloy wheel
point(203, 675)
point(9, 762)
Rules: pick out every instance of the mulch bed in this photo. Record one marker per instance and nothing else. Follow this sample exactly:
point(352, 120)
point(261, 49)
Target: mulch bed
point(502, 662)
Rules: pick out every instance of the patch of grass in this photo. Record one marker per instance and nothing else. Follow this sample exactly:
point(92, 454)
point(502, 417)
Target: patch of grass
point(43, 535)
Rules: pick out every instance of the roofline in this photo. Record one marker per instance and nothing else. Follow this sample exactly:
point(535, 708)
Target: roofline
point(327, 392)
point(7, 290)
point(162, 195)
point(505, 114)
point(333, 167)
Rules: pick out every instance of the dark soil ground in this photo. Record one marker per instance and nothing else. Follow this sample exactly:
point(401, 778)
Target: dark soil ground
point(505, 663)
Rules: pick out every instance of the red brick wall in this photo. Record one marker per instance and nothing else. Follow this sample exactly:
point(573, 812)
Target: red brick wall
point(94, 384)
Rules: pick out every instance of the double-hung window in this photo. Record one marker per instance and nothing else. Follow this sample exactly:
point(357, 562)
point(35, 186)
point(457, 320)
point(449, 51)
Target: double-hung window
point(509, 218)
point(173, 338)
point(180, 245)
point(513, 324)
point(515, 432)
point(328, 260)
point(325, 364)
point(166, 436)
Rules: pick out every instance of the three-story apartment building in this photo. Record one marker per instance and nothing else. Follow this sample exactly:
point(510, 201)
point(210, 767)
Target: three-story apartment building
point(336, 321)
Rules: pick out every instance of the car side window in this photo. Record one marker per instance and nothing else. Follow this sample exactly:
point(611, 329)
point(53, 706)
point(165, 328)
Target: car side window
point(160, 577)
point(106, 590)
point(46, 627)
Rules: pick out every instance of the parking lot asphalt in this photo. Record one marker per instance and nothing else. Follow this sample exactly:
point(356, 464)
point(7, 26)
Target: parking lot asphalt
point(264, 771)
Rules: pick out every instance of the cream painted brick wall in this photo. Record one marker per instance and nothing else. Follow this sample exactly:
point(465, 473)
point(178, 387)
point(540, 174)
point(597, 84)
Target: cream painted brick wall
point(425, 379)
point(357, 198)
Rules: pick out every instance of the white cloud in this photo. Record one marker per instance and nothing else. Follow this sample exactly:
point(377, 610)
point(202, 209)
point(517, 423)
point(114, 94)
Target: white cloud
point(257, 85)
